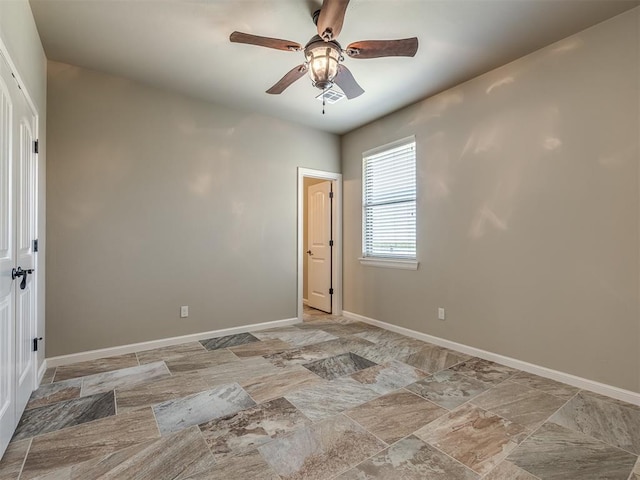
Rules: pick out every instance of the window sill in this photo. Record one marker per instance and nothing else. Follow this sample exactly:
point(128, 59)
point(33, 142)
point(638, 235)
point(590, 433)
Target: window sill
point(404, 264)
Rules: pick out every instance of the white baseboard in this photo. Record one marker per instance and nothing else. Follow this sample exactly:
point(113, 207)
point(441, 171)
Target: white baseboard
point(583, 383)
point(164, 342)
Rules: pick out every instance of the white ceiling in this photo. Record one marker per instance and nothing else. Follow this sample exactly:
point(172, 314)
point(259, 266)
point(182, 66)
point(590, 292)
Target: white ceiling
point(183, 45)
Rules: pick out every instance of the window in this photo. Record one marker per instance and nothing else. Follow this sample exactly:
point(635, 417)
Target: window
point(389, 205)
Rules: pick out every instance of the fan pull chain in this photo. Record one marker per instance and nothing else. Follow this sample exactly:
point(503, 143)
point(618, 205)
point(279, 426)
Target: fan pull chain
point(323, 99)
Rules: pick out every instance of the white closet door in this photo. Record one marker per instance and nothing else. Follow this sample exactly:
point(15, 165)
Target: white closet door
point(18, 174)
point(25, 226)
point(7, 261)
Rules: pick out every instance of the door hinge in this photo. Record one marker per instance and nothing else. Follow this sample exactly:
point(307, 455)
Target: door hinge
point(17, 83)
point(35, 245)
point(330, 194)
point(331, 243)
point(35, 146)
point(35, 343)
point(331, 291)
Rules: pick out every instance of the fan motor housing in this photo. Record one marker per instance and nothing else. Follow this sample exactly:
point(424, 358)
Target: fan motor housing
point(317, 39)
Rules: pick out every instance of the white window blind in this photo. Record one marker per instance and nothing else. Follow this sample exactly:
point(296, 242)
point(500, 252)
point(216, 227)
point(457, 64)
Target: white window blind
point(389, 201)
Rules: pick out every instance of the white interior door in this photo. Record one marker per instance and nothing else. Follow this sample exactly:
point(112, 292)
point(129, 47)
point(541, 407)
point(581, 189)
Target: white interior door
point(7, 262)
point(18, 173)
point(25, 226)
point(319, 247)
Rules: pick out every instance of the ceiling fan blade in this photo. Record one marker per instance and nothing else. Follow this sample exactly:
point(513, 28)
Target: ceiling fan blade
point(278, 44)
point(331, 18)
point(292, 75)
point(344, 79)
point(405, 47)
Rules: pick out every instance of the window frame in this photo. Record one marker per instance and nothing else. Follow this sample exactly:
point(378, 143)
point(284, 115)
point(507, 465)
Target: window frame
point(406, 263)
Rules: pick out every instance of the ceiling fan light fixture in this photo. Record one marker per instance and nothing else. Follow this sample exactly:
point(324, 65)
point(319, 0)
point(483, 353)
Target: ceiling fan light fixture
point(324, 55)
point(323, 59)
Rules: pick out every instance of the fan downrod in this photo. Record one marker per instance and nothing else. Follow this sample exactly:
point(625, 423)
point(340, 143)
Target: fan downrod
point(315, 17)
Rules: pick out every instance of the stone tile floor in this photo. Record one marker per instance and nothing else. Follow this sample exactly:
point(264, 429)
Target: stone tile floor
point(328, 399)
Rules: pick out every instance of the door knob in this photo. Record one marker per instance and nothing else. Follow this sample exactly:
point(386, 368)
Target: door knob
point(310, 252)
point(19, 272)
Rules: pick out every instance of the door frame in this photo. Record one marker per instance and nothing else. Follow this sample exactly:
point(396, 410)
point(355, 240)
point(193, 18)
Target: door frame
point(37, 328)
point(336, 253)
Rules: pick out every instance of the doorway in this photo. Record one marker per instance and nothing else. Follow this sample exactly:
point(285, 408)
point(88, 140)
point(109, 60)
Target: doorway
point(319, 241)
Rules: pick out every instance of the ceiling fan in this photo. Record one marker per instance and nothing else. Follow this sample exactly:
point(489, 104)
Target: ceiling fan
point(324, 55)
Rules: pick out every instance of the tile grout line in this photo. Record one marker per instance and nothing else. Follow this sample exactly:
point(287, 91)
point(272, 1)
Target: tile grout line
point(437, 348)
point(539, 389)
point(404, 438)
point(510, 380)
point(249, 395)
point(504, 461)
point(153, 412)
point(633, 470)
point(228, 349)
point(73, 426)
point(446, 412)
point(492, 385)
point(171, 374)
point(215, 462)
point(256, 448)
point(24, 460)
point(166, 368)
point(469, 402)
point(368, 458)
point(533, 431)
point(344, 414)
point(451, 366)
point(447, 455)
point(586, 434)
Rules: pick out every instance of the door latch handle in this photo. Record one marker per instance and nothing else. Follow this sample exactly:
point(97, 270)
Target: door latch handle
point(310, 253)
point(19, 272)
point(23, 283)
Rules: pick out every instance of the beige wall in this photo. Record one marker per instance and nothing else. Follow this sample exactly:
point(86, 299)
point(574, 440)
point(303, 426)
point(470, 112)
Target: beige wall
point(308, 181)
point(20, 37)
point(157, 201)
point(528, 210)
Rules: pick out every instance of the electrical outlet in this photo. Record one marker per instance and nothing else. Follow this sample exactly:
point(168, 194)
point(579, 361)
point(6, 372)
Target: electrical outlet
point(441, 315)
point(184, 311)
